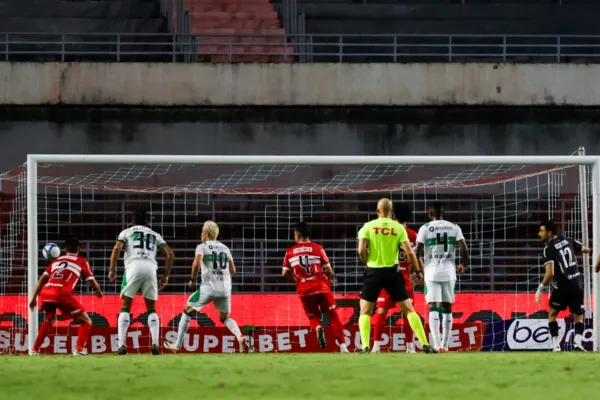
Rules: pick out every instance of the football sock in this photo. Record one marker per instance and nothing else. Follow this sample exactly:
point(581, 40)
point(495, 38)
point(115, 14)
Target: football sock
point(378, 324)
point(408, 332)
point(553, 327)
point(123, 325)
point(434, 327)
point(364, 324)
point(233, 327)
point(314, 323)
point(446, 328)
point(82, 336)
point(184, 323)
point(578, 333)
point(417, 326)
point(336, 325)
point(154, 325)
point(42, 333)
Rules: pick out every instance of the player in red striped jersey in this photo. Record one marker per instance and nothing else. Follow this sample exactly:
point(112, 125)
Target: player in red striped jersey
point(384, 303)
point(308, 264)
point(56, 286)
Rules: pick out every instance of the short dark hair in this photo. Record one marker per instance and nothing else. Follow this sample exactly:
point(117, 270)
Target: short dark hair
point(550, 226)
point(438, 209)
point(72, 245)
point(402, 212)
point(302, 229)
point(140, 216)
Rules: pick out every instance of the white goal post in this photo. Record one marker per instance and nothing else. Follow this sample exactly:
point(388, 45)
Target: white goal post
point(34, 160)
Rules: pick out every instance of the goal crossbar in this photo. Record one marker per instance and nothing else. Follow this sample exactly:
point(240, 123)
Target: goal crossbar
point(309, 160)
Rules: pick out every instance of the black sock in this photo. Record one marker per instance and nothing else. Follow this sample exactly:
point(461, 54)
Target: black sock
point(553, 328)
point(579, 328)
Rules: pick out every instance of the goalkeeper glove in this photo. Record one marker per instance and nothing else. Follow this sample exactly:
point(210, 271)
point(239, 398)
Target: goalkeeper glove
point(538, 294)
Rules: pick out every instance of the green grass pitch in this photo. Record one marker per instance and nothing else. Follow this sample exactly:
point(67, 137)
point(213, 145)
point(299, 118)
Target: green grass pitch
point(464, 376)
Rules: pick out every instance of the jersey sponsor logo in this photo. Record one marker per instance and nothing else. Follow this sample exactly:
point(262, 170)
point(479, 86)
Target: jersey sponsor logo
point(385, 231)
point(302, 250)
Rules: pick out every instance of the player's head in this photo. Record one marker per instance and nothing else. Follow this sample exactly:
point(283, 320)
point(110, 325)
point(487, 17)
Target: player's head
point(210, 231)
point(548, 229)
point(402, 213)
point(435, 210)
point(384, 207)
point(72, 245)
point(301, 232)
point(140, 217)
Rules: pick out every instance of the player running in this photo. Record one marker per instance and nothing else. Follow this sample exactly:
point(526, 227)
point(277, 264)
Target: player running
point(384, 303)
point(141, 244)
point(307, 264)
point(560, 259)
point(380, 241)
point(56, 286)
point(439, 238)
point(214, 260)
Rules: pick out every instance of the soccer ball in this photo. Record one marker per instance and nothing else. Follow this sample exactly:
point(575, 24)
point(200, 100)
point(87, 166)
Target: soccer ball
point(50, 251)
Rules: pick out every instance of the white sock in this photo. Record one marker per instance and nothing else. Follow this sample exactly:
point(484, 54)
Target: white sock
point(410, 347)
point(233, 327)
point(434, 328)
point(376, 346)
point(446, 329)
point(154, 325)
point(578, 339)
point(123, 324)
point(184, 324)
point(343, 348)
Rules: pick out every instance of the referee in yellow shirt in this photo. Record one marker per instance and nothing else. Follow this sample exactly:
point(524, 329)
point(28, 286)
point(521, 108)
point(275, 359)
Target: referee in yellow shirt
point(379, 242)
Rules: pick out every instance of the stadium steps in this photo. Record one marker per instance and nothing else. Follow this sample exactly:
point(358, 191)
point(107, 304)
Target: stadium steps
point(238, 17)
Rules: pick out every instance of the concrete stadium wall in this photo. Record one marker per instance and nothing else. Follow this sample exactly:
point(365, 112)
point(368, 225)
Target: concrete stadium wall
point(298, 84)
point(275, 138)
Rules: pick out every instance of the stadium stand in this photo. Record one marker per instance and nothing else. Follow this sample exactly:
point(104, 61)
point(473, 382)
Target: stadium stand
point(259, 35)
point(41, 29)
point(506, 23)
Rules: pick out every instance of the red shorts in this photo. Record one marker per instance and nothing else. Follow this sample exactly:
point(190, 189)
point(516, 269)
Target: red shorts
point(315, 304)
point(384, 301)
point(67, 304)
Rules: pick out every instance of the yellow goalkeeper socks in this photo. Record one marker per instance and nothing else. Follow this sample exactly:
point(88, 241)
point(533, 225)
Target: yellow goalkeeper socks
point(417, 326)
point(364, 324)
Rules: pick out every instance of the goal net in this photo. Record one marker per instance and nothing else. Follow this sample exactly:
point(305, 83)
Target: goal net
point(256, 201)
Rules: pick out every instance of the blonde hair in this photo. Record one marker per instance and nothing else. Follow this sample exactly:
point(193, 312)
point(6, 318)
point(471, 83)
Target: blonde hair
point(212, 229)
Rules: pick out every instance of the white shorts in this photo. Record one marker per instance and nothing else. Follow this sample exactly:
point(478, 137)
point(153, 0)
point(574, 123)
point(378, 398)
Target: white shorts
point(206, 295)
point(140, 277)
point(439, 292)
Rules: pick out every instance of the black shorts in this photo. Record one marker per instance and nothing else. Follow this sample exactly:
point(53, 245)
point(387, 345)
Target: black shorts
point(389, 279)
point(572, 298)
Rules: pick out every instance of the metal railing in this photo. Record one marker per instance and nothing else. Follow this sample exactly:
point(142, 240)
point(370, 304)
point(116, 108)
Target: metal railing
point(189, 47)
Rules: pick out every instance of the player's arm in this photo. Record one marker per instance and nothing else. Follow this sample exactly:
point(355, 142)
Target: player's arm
point(581, 248)
point(327, 268)
point(463, 249)
point(114, 258)
point(195, 269)
point(549, 264)
point(286, 270)
point(169, 256)
point(363, 244)
point(363, 253)
point(89, 277)
point(38, 288)
point(95, 286)
point(232, 267)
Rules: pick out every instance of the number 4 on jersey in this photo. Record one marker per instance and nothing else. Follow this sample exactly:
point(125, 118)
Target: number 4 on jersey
point(303, 261)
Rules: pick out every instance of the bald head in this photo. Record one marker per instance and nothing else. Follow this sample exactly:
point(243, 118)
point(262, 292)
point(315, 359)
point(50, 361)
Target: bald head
point(384, 207)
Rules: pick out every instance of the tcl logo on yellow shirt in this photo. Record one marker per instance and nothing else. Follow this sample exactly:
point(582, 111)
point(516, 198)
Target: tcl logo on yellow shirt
point(385, 231)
